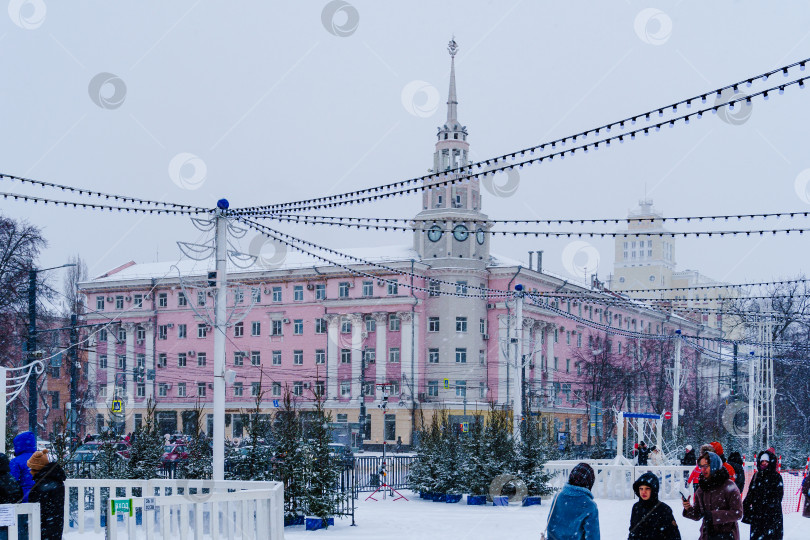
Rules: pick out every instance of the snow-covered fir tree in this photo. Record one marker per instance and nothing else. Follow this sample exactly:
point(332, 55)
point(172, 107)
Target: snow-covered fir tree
point(449, 458)
point(321, 497)
point(531, 454)
point(109, 464)
point(199, 464)
point(147, 447)
point(475, 465)
point(289, 460)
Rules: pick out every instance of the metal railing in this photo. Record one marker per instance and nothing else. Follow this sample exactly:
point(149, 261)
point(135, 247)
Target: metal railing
point(367, 472)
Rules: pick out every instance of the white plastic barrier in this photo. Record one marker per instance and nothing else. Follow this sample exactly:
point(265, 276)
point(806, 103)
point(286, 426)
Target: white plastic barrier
point(88, 499)
point(32, 511)
point(616, 481)
point(241, 515)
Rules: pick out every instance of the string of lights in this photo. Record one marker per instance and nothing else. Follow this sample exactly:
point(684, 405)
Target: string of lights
point(93, 206)
point(499, 163)
point(552, 234)
point(572, 295)
point(604, 221)
point(82, 191)
point(721, 286)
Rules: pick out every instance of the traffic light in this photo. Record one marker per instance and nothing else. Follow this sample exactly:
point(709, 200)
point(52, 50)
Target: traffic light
point(212, 279)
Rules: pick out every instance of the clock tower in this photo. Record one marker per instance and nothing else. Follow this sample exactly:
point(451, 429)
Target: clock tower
point(451, 224)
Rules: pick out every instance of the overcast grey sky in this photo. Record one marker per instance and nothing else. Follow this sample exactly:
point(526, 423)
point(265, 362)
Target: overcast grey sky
point(278, 101)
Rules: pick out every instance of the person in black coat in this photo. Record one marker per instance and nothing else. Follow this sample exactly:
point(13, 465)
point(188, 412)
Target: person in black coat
point(49, 492)
point(736, 461)
point(10, 490)
point(762, 507)
point(651, 519)
point(689, 457)
point(643, 454)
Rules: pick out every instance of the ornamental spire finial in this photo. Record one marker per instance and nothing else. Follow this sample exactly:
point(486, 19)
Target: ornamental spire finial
point(452, 47)
point(452, 100)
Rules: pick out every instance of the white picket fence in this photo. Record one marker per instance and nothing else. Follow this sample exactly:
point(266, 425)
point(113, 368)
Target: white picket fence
point(200, 508)
point(616, 481)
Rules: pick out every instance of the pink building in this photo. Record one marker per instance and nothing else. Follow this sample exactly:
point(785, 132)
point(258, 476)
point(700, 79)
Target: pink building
point(433, 339)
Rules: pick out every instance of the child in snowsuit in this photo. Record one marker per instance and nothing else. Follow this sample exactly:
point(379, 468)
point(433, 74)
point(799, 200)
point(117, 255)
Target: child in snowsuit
point(651, 519)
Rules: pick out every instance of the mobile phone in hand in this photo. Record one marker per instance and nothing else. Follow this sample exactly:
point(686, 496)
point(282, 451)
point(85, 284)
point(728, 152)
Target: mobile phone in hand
point(684, 497)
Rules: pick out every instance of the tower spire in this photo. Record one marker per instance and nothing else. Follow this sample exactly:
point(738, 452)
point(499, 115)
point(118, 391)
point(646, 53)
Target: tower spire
point(452, 99)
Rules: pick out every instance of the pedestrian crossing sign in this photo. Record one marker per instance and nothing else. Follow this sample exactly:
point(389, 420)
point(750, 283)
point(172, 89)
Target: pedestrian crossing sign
point(117, 406)
point(465, 427)
point(447, 384)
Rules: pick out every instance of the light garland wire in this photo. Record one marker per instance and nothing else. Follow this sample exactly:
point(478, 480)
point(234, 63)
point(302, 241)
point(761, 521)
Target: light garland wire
point(92, 206)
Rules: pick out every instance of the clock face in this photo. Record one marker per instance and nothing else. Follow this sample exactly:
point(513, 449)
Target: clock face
point(460, 233)
point(480, 236)
point(434, 233)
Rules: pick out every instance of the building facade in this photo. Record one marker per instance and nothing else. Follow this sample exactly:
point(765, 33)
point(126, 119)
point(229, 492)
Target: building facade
point(420, 328)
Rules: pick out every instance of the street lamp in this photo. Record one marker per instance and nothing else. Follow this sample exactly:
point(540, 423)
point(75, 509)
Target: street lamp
point(32, 343)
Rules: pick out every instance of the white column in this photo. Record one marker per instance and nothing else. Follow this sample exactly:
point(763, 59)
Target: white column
point(503, 357)
point(381, 322)
point(332, 352)
point(112, 360)
point(406, 346)
point(129, 364)
point(149, 353)
point(550, 358)
point(357, 352)
point(92, 364)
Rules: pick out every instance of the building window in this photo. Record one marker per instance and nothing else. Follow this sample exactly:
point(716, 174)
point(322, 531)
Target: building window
point(201, 359)
point(461, 389)
point(238, 296)
point(102, 335)
point(275, 328)
point(433, 324)
point(368, 288)
point(461, 355)
point(100, 303)
point(461, 287)
point(298, 293)
point(255, 358)
point(102, 361)
point(482, 357)
point(482, 390)
point(345, 326)
point(298, 327)
point(119, 302)
point(181, 331)
point(276, 294)
point(320, 292)
point(181, 359)
point(239, 329)
point(320, 326)
point(298, 388)
point(568, 365)
point(122, 361)
point(369, 356)
point(461, 324)
point(433, 388)
point(433, 356)
point(202, 330)
point(122, 335)
point(393, 288)
point(579, 339)
point(434, 288)
point(181, 389)
point(276, 358)
point(343, 418)
point(368, 388)
point(163, 299)
point(320, 356)
point(345, 356)
point(137, 301)
point(343, 289)
point(390, 427)
point(238, 358)
point(201, 389)
point(255, 389)
point(393, 355)
point(162, 359)
point(345, 388)
point(237, 389)
point(163, 331)
point(371, 324)
point(298, 358)
point(163, 390)
point(276, 388)
point(255, 328)
point(393, 323)
point(256, 294)
point(200, 298)
point(482, 326)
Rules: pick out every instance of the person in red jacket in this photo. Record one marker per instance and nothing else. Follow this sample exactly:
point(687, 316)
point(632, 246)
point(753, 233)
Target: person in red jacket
point(718, 449)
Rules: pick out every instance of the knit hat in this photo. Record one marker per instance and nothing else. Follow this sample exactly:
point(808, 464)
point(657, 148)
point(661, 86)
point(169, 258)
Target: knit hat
point(715, 463)
point(39, 460)
point(764, 457)
point(718, 448)
point(582, 476)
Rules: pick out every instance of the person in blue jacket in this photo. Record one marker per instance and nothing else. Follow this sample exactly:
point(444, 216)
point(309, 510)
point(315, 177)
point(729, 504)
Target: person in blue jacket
point(25, 444)
point(574, 514)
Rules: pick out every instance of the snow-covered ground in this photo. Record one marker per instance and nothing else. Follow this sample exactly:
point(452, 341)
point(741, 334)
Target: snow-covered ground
point(418, 519)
